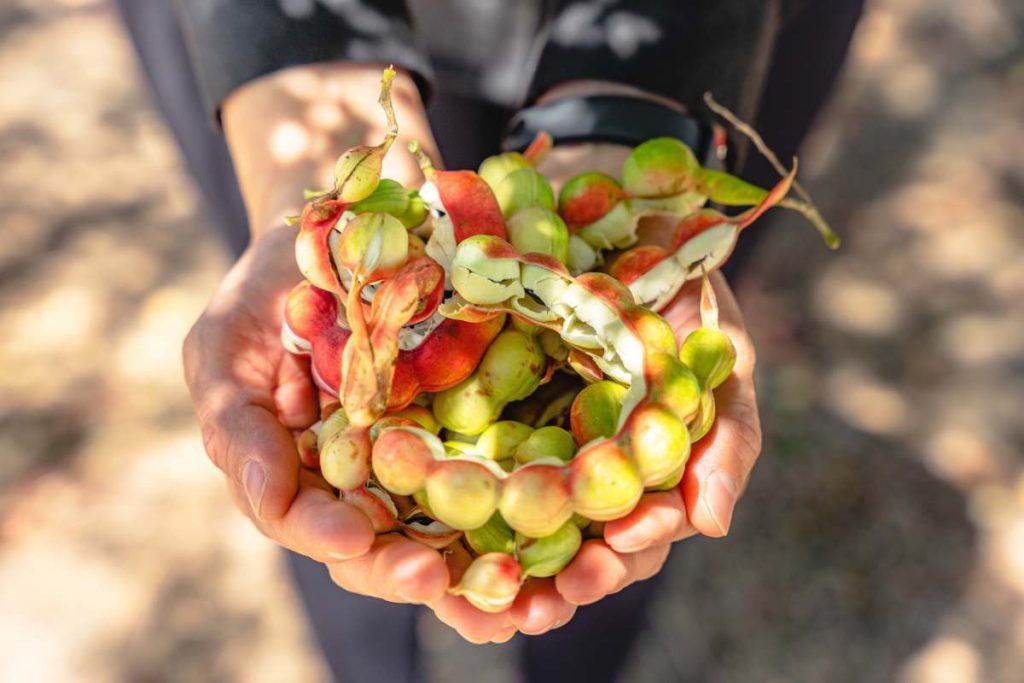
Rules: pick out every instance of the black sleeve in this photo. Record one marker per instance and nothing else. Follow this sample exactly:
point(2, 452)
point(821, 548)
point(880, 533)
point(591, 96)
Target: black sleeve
point(678, 49)
point(235, 41)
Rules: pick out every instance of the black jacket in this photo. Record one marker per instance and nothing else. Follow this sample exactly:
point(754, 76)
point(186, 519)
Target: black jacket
point(502, 51)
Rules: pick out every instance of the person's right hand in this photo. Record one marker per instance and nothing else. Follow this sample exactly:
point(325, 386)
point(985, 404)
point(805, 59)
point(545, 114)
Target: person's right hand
point(249, 394)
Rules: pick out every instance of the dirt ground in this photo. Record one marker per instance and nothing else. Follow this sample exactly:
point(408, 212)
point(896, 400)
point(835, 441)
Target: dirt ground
point(883, 533)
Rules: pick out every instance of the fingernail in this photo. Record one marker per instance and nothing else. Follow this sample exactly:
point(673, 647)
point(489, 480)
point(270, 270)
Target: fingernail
point(254, 479)
point(341, 557)
point(720, 499)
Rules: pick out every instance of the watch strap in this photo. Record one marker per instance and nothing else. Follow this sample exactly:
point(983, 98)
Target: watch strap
point(607, 118)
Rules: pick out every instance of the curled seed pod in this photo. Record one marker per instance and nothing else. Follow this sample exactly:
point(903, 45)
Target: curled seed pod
point(546, 442)
point(499, 441)
point(542, 557)
point(494, 537)
point(710, 354)
point(491, 582)
point(604, 482)
point(702, 422)
point(376, 504)
point(539, 230)
point(671, 481)
point(595, 411)
point(535, 499)
point(401, 459)
point(345, 459)
point(659, 441)
point(522, 189)
point(463, 494)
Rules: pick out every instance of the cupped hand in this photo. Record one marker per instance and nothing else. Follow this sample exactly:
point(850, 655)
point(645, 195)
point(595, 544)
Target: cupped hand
point(636, 546)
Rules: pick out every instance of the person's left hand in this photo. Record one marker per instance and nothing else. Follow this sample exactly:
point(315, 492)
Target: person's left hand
point(635, 547)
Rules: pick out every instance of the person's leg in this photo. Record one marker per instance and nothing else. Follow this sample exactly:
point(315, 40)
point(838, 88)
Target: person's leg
point(156, 35)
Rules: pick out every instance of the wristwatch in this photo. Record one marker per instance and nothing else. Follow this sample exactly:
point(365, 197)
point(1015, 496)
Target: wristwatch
point(607, 118)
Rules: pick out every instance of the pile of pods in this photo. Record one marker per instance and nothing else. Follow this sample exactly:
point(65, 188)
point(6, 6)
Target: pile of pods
point(496, 395)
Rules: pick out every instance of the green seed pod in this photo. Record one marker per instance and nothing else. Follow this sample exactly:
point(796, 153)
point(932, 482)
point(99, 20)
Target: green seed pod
point(674, 385)
point(710, 354)
point(671, 481)
point(391, 198)
point(522, 189)
point(344, 460)
point(499, 441)
point(462, 494)
point(510, 370)
point(541, 557)
point(614, 230)
point(604, 482)
point(357, 172)
point(373, 244)
point(494, 537)
point(494, 168)
point(535, 500)
point(588, 197)
point(553, 346)
point(702, 422)
point(659, 442)
point(595, 411)
point(660, 167)
point(539, 230)
point(456, 448)
point(580, 521)
point(546, 442)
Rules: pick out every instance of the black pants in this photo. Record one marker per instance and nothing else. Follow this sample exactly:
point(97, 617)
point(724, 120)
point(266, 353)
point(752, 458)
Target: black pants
point(365, 639)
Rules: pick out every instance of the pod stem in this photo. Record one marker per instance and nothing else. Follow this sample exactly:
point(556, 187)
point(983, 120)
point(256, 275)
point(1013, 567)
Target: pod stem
point(384, 100)
point(806, 207)
point(708, 304)
point(426, 165)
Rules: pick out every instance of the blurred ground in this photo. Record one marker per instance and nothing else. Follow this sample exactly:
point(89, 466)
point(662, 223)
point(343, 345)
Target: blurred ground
point(882, 537)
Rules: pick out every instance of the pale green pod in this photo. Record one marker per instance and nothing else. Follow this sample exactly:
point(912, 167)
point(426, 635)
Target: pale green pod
point(546, 442)
point(541, 557)
point(372, 243)
point(522, 189)
point(494, 537)
point(539, 230)
point(710, 354)
point(499, 441)
point(511, 369)
point(495, 168)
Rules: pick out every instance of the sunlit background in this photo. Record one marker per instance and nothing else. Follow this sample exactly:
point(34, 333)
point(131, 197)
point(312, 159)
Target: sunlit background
point(883, 534)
